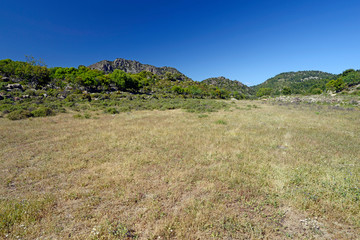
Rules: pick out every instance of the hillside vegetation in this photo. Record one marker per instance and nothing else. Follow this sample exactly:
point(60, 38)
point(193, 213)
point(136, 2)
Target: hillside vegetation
point(234, 86)
point(297, 82)
point(30, 89)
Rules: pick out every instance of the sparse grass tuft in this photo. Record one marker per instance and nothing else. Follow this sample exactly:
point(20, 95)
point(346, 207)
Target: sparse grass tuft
point(221, 122)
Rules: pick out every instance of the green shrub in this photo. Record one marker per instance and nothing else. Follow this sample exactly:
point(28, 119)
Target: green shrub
point(316, 91)
point(19, 114)
point(112, 110)
point(42, 112)
point(264, 92)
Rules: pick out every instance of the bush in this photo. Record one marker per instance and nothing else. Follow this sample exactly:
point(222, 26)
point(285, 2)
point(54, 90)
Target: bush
point(264, 92)
point(316, 91)
point(112, 110)
point(19, 114)
point(286, 91)
point(336, 85)
point(42, 112)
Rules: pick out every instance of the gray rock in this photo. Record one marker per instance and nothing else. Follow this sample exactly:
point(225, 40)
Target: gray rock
point(131, 66)
point(14, 86)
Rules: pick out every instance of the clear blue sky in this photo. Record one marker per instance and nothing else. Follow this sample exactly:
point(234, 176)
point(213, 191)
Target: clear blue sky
point(245, 40)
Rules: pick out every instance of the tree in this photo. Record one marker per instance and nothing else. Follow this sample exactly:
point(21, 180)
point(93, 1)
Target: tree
point(34, 62)
point(346, 72)
point(177, 89)
point(124, 81)
point(336, 85)
point(286, 91)
point(264, 92)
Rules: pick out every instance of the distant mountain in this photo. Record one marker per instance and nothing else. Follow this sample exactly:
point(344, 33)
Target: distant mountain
point(229, 85)
point(131, 66)
point(298, 82)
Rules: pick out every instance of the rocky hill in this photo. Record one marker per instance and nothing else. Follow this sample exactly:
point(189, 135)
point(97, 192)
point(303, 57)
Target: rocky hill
point(298, 82)
point(131, 66)
point(230, 85)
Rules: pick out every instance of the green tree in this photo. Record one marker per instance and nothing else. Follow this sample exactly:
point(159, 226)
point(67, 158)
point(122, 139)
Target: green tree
point(347, 72)
point(336, 85)
point(264, 92)
point(286, 91)
point(124, 81)
point(177, 89)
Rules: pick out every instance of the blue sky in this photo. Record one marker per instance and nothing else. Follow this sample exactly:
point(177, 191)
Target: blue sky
point(243, 40)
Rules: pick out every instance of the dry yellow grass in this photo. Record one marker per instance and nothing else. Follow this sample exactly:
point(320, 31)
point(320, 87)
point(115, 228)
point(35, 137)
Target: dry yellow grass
point(265, 172)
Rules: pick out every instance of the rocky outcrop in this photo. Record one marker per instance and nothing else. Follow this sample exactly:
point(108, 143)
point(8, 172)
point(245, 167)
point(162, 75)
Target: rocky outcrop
point(131, 66)
point(230, 85)
point(10, 87)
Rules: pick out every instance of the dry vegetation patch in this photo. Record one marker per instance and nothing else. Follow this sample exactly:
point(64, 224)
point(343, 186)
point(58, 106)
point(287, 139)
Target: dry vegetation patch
point(252, 171)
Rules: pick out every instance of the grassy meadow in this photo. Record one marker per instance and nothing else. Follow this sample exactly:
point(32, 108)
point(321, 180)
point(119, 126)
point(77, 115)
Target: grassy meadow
point(254, 170)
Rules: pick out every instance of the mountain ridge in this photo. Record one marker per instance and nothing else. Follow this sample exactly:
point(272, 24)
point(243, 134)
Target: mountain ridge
point(133, 66)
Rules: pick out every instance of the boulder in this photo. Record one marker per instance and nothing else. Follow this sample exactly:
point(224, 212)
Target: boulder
point(14, 86)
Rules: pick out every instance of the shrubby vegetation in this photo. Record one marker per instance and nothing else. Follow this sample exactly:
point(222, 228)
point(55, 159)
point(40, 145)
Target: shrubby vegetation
point(31, 89)
point(264, 92)
point(307, 83)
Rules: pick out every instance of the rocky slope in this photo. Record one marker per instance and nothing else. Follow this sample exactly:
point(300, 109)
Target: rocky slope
point(131, 66)
point(230, 85)
point(297, 80)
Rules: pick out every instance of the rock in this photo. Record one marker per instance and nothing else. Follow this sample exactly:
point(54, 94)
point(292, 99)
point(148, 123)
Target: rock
point(131, 66)
point(5, 79)
point(14, 86)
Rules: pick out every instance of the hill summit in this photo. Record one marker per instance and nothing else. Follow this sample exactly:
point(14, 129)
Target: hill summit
point(132, 66)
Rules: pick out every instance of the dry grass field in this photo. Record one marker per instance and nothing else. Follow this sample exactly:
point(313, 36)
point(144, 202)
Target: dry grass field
point(254, 171)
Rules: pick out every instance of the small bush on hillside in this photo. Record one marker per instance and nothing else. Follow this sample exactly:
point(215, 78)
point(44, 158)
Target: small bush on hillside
point(112, 110)
point(19, 114)
point(264, 92)
point(42, 112)
point(316, 91)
